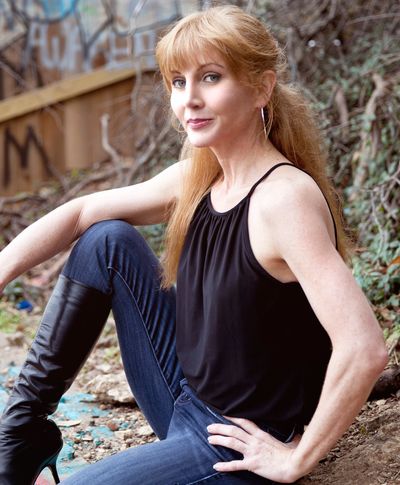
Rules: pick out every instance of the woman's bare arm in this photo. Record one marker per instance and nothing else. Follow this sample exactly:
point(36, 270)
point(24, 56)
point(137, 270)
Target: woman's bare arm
point(140, 204)
point(359, 354)
point(294, 214)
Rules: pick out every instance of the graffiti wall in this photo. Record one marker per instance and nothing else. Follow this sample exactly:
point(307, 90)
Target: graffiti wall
point(42, 41)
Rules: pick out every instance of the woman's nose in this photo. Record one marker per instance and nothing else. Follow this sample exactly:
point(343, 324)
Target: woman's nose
point(192, 96)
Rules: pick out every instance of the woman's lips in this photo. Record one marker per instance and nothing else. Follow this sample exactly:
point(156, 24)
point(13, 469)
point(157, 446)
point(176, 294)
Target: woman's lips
point(196, 123)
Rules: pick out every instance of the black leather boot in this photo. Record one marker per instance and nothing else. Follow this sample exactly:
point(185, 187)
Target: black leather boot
point(72, 322)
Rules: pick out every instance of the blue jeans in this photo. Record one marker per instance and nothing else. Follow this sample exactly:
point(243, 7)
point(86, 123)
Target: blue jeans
point(112, 257)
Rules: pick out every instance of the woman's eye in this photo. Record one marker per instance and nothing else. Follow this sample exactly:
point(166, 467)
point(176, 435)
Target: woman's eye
point(212, 78)
point(178, 83)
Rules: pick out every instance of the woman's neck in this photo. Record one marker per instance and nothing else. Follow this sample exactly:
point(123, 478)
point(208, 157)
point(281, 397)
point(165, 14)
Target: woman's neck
point(244, 165)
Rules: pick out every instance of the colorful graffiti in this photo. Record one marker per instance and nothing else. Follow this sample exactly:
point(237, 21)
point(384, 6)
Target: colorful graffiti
point(45, 40)
point(15, 152)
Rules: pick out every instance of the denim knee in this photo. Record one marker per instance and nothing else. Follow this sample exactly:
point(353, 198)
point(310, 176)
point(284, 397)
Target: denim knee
point(98, 248)
point(110, 231)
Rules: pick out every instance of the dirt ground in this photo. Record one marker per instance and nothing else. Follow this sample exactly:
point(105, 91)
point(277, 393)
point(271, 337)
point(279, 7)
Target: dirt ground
point(369, 454)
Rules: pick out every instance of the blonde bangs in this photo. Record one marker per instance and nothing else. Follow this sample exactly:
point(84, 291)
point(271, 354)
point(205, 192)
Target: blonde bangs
point(188, 43)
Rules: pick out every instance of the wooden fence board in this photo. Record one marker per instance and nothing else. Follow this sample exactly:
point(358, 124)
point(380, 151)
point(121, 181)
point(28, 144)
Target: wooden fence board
point(59, 125)
point(61, 91)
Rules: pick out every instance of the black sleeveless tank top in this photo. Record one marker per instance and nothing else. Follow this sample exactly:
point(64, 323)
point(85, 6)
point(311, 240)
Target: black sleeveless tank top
point(249, 345)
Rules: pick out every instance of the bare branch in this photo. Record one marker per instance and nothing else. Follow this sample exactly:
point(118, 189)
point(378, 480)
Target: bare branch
point(340, 101)
point(368, 137)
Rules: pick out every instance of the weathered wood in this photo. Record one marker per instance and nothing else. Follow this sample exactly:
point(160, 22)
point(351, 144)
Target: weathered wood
point(82, 124)
point(61, 91)
point(48, 131)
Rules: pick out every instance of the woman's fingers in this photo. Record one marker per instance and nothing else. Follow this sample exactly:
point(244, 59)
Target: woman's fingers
point(228, 442)
point(230, 466)
point(251, 428)
point(246, 424)
point(228, 430)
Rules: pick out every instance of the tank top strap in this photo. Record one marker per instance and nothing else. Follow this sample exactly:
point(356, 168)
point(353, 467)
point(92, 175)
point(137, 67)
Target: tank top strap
point(266, 175)
point(287, 163)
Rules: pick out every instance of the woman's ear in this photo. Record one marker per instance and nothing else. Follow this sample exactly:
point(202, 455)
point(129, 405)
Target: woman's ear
point(268, 84)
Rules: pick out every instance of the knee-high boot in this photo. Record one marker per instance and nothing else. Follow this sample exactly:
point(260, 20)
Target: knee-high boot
point(72, 322)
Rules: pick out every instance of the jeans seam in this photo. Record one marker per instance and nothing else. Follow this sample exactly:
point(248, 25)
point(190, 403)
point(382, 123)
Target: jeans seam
point(204, 478)
point(220, 418)
point(145, 329)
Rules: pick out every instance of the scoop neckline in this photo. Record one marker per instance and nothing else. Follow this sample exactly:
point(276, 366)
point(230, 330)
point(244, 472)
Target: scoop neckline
point(217, 213)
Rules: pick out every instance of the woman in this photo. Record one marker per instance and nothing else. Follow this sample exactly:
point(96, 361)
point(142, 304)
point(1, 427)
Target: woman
point(272, 331)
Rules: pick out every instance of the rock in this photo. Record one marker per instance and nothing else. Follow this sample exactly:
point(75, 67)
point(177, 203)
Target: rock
point(105, 368)
point(124, 434)
point(113, 425)
point(144, 430)
point(111, 388)
point(69, 423)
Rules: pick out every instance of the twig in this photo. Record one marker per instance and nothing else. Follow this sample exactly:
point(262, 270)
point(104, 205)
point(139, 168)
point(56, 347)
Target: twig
point(250, 6)
point(373, 17)
point(149, 153)
point(95, 177)
point(368, 150)
point(340, 101)
point(15, 216)
point(115, 156)
point(382, 233)
point(20, 198)
point(319, 21)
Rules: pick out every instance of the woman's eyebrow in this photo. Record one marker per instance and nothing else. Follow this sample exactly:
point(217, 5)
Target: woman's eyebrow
point(211, 64)
point(201, 66)
point(207, 64)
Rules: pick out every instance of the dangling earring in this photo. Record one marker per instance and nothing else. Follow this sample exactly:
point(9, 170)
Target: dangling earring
point(263, 122)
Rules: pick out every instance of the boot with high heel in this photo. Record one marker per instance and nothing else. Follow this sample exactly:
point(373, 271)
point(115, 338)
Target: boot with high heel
point(72, 322)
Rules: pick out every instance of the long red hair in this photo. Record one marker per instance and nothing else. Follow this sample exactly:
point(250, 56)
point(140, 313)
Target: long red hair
point(249, 49)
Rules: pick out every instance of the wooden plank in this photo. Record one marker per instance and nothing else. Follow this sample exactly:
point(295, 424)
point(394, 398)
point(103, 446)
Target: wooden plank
point(61, 91)
point(16, 140)
point(2, 146)
point(68, 134)
point(33, 143)
point(83, 145)
point(121, 128)
point(77, 135)
point(37, 154)
point(52, 132)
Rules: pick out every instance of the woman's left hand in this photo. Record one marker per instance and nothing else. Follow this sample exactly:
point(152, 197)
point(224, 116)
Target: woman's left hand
point(262, 453)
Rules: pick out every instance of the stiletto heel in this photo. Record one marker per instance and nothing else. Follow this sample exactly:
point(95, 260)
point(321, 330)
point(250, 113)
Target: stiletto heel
point(51, 463)
point(53, 469)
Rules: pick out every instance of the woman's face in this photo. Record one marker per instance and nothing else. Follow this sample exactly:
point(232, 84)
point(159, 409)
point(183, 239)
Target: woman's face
point(214, 108)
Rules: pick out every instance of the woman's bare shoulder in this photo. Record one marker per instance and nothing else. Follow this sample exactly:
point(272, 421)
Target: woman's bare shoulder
point(289, 186)
point(291, 202)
